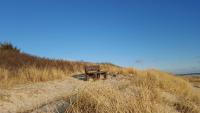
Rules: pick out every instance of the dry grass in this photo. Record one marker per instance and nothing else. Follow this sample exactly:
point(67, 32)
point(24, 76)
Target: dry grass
point(118, 70)
point(194, 80)
point(148, 91)
point(17, 67)
point(34, 73)
point(191, 78)
point(29, 74)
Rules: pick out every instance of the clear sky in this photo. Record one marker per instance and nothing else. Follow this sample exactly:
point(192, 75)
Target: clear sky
point(163, 34)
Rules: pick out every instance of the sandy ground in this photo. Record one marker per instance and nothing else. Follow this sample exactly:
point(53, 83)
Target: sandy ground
point(52, 96)
point(49, 96)
point(27, 97)
point(194, 80)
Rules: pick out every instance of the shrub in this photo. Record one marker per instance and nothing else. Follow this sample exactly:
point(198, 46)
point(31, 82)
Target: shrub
point(8, 46)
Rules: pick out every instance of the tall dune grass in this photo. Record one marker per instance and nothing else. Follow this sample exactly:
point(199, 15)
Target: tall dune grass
point(148, 91)
point(29, 74)
point(17, 67)
point(118, 70)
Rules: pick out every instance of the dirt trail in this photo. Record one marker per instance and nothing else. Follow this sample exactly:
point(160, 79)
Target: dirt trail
point(27, 97)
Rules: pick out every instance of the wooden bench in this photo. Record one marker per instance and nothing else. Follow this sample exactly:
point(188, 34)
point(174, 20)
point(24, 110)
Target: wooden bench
point(94, 72)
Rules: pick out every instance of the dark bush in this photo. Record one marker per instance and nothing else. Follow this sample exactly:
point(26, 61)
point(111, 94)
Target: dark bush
point(8, 46)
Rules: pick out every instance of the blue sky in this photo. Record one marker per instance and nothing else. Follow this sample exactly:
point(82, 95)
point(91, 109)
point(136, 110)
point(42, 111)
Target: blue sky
point(161, 34)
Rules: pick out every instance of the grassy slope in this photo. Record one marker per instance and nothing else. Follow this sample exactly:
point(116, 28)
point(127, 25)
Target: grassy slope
point(17, 67)
point(148, 91)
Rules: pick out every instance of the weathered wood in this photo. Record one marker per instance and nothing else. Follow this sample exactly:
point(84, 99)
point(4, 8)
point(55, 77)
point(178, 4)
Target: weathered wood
point(94, 72)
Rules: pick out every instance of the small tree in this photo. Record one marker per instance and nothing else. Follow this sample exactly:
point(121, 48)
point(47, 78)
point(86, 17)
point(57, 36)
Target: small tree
point(8, 46)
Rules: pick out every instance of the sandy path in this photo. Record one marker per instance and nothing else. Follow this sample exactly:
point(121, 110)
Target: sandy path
point(26, 97)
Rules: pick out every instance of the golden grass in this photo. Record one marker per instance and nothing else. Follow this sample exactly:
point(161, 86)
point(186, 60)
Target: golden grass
point(29, 74)
point(118, 70)
point(48, 70)
point(142, 93)
point(149, 91)
point(191, 78)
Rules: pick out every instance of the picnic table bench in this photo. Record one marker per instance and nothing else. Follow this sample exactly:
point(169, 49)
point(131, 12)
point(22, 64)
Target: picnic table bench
point(94, 72)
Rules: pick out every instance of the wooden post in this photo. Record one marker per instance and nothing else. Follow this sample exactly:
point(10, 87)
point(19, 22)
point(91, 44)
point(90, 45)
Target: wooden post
point(105, 76)
point(98, 76)
point(86, 77)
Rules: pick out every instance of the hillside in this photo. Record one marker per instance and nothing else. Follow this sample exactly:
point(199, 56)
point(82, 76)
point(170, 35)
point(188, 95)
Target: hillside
point(17, 67)
point(14, 59)
point(40, 83)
